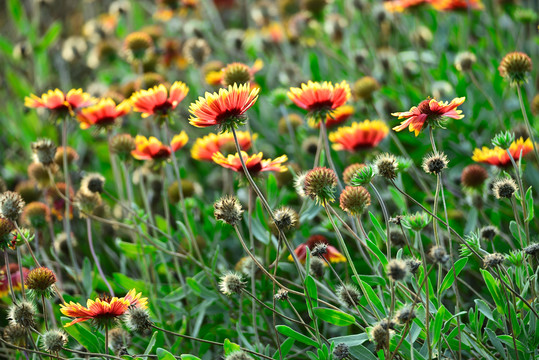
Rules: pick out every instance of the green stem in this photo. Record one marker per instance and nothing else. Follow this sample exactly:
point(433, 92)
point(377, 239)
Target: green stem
point(528, 126)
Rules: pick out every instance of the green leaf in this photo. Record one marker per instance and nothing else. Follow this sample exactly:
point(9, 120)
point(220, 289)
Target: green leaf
point(529, 204)
point(484, 309)
point(162, 354)
point(334, 317)
point(151, 344)
point(374, 298)
point(438, 322)
point(494, 289)
point(350, 340)
point(189, 357)
point(127, 283)
point(94, 342)
point(361, 352)
point(51, 35)
point(449, 278)
point(291, 333)
point(379, 254)
point(508, 340)
point(286, 346)
point(377, 226)
point(230, 347)
point(315, 70)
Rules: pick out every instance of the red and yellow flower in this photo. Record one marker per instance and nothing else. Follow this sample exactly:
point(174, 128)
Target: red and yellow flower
point(429, 112)
point(332, 255)
point(448, 5)
point(499, 157)
point(401, 5)
point(337, 117)
point(157, 100)
point(56, 199)
point(255, 164)
point(103, 310)
point(225, 108)
point(103, 114)
point(359, 136)
point(320, 98)
point(56, 101)
point(153, 149)
point(15, 278)
point(206, 146)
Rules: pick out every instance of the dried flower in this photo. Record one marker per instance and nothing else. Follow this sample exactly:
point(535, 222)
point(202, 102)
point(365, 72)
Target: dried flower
point(238, 355)
point(44, 151)
point(504, 188)
point(11, 205)
point(349, 295)
point(532, 250)
point(464, 61)
point(317, 267)
point(138, 319)
point(320, 185)
point(365, 87)
point(93, 182)
point(355, 199)
point(228, 209)
point(438, 255)
point(434, 163)
point(231, 283)
point(341, 351)
point(54, 340)
point(489, 232)
point(413, 265)
point(473, 176)
point(405, 315)
point(282, 295)
point(286, 219)
point(493, 260)
point(386, 166)
point(23, 314)
point(397, 270)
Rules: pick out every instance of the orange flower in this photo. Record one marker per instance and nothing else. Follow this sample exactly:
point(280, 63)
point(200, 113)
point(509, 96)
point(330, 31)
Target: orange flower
point(153, 149)
point(447, 5)
point(337, 117)
point(320, 98)
point(103, 310)
point(429, 111)
point(154, 101)
point(499, 156)
point(401, 5)
point(332, 255)
point(57, 101)
point(206, 146)
point(103, 114)
point(224, 109)
point(364, 135)
point(15, 278)
point(254, 163)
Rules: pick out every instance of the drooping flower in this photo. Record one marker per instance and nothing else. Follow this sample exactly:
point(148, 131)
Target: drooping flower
point(332, 254)
point(429, 112)
point(448, 5)
point(499, 157)
point(103, 114)
point(58, 102)
point(206, 146)
point(515, 67)
point(15, 278)
point(255, 164)
point(153, 149)
point(337, 117)
point(320, 98)
point(103, 310)
point(240, 73)
point(223, 109)
point(359, 136)
point(157, 100)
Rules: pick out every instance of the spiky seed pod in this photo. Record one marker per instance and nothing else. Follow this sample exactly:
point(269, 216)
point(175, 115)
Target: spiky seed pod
point(23, 314)
point(320, 184)
point(53, 340)
point(363, 175)
point(119, 339)
point(196, 51)
point(173, 191)
point(39, 281)
point(138, 45)
point(381, 336)
point(350, 171)
point(489, 232)
point(417, 221)
point(6, 227)
point(532, 250)
point(236, 73)
point(15, 334)
point(503, 139)
point(386, 166)
point(310, 145)
point(535, 105)
point(473, 176)
point(295, 121)
point(504, 188)
point(317, 267)
point(28, 190)
point(231, 283)
point(515, 67)
point(122, 145)
point(405, 315)
point(397, 270)
point(71, 155)
point(87, 201)
point(341, 351)
point(319, 249)
point(438, 255)
point(286, 219)
point(44, 151)
point(299, 185)
point(138, 319)
point(348, 295)
point(228, 209)
point(282, 295)
point(3, 186)
point(40, 174)
point(238, 355)
point(397, 220)
point(245, 265)
point(464, 61)
point(435, 163)
point(365, 87)
point(413, 265)
point(94, 183)
point(355, 199)
point(493, 260)
point(11, 205)
point(397, 238)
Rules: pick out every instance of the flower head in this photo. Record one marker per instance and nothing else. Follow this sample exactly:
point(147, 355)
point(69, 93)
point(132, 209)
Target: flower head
point(429, 112)
point(331, 254)
point(493, 260)
point(58, 102)
point(138, 320)
point(337, 117)
point(255, 164)
point(504, 188)
point(364, 87)
point(157, 100)
point(386, 166)
point(320, 184)
point(54, 340)
point(359, 136)
point(473, 176)
point(44, 151)
point(349, 295)
point(36, 214)
point(205, 147)
point(350, 171)
point(401, 5)
point(122, 145)
point(104, 114)
point(239, 73)
point(515, 67)
point(231, 283)
point(499, 157)
point(153, 149)
point(397, 270)
point(94, 183)
point(11, 205)
point(434, 163)
point(15, 278)
point(363, 175)
point(228, 209)
point(224, 109)
point(138, 45)
point(465, 60)
point(449, 5)
point(40, 280)
point(57, 201)
point(103, 310)
point(320, 98)
point(355, 199)
point(23, 314)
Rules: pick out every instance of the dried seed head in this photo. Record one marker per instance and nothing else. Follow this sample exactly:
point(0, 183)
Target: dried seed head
point(36, 214)
point(320, 184)
point(6, 227)
point(15, 334)
point(355, 199)
point(435, 163)
point(504, 188)
point(94, 183)
point(348, 295)
point(493, 260)
point(23, 314)
point(317, 267)
point(238, 355)
point(381, 335)
point(341, 351)
point(386, 166)
point(40, 174)
point(40, 281)
point(413, 265)
point(320, 249)
point(438, 255)
point(138, 319)
point(365, 87)
point(44, 151)
point(28, 190)
point(54, 340)
point(122, 145)
point(228, 209)
point(231, 283)
point(473, 176)
point(489, 232)
point(405, 315)
point(196, 50)
point(515, 67)
point(119, 339)
point(299, 184)
point(397, 238)
point(138, 45)
point(397, 270)
point(246, 264)
point(236, 73)
point(464, 61)
point(532, 250)
point(286, 219)
point(87, 201)
point(282, 295)
point(188, 189)
point(310, 145)
point(71, 155)
point(11, 205)
point(350, 171)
